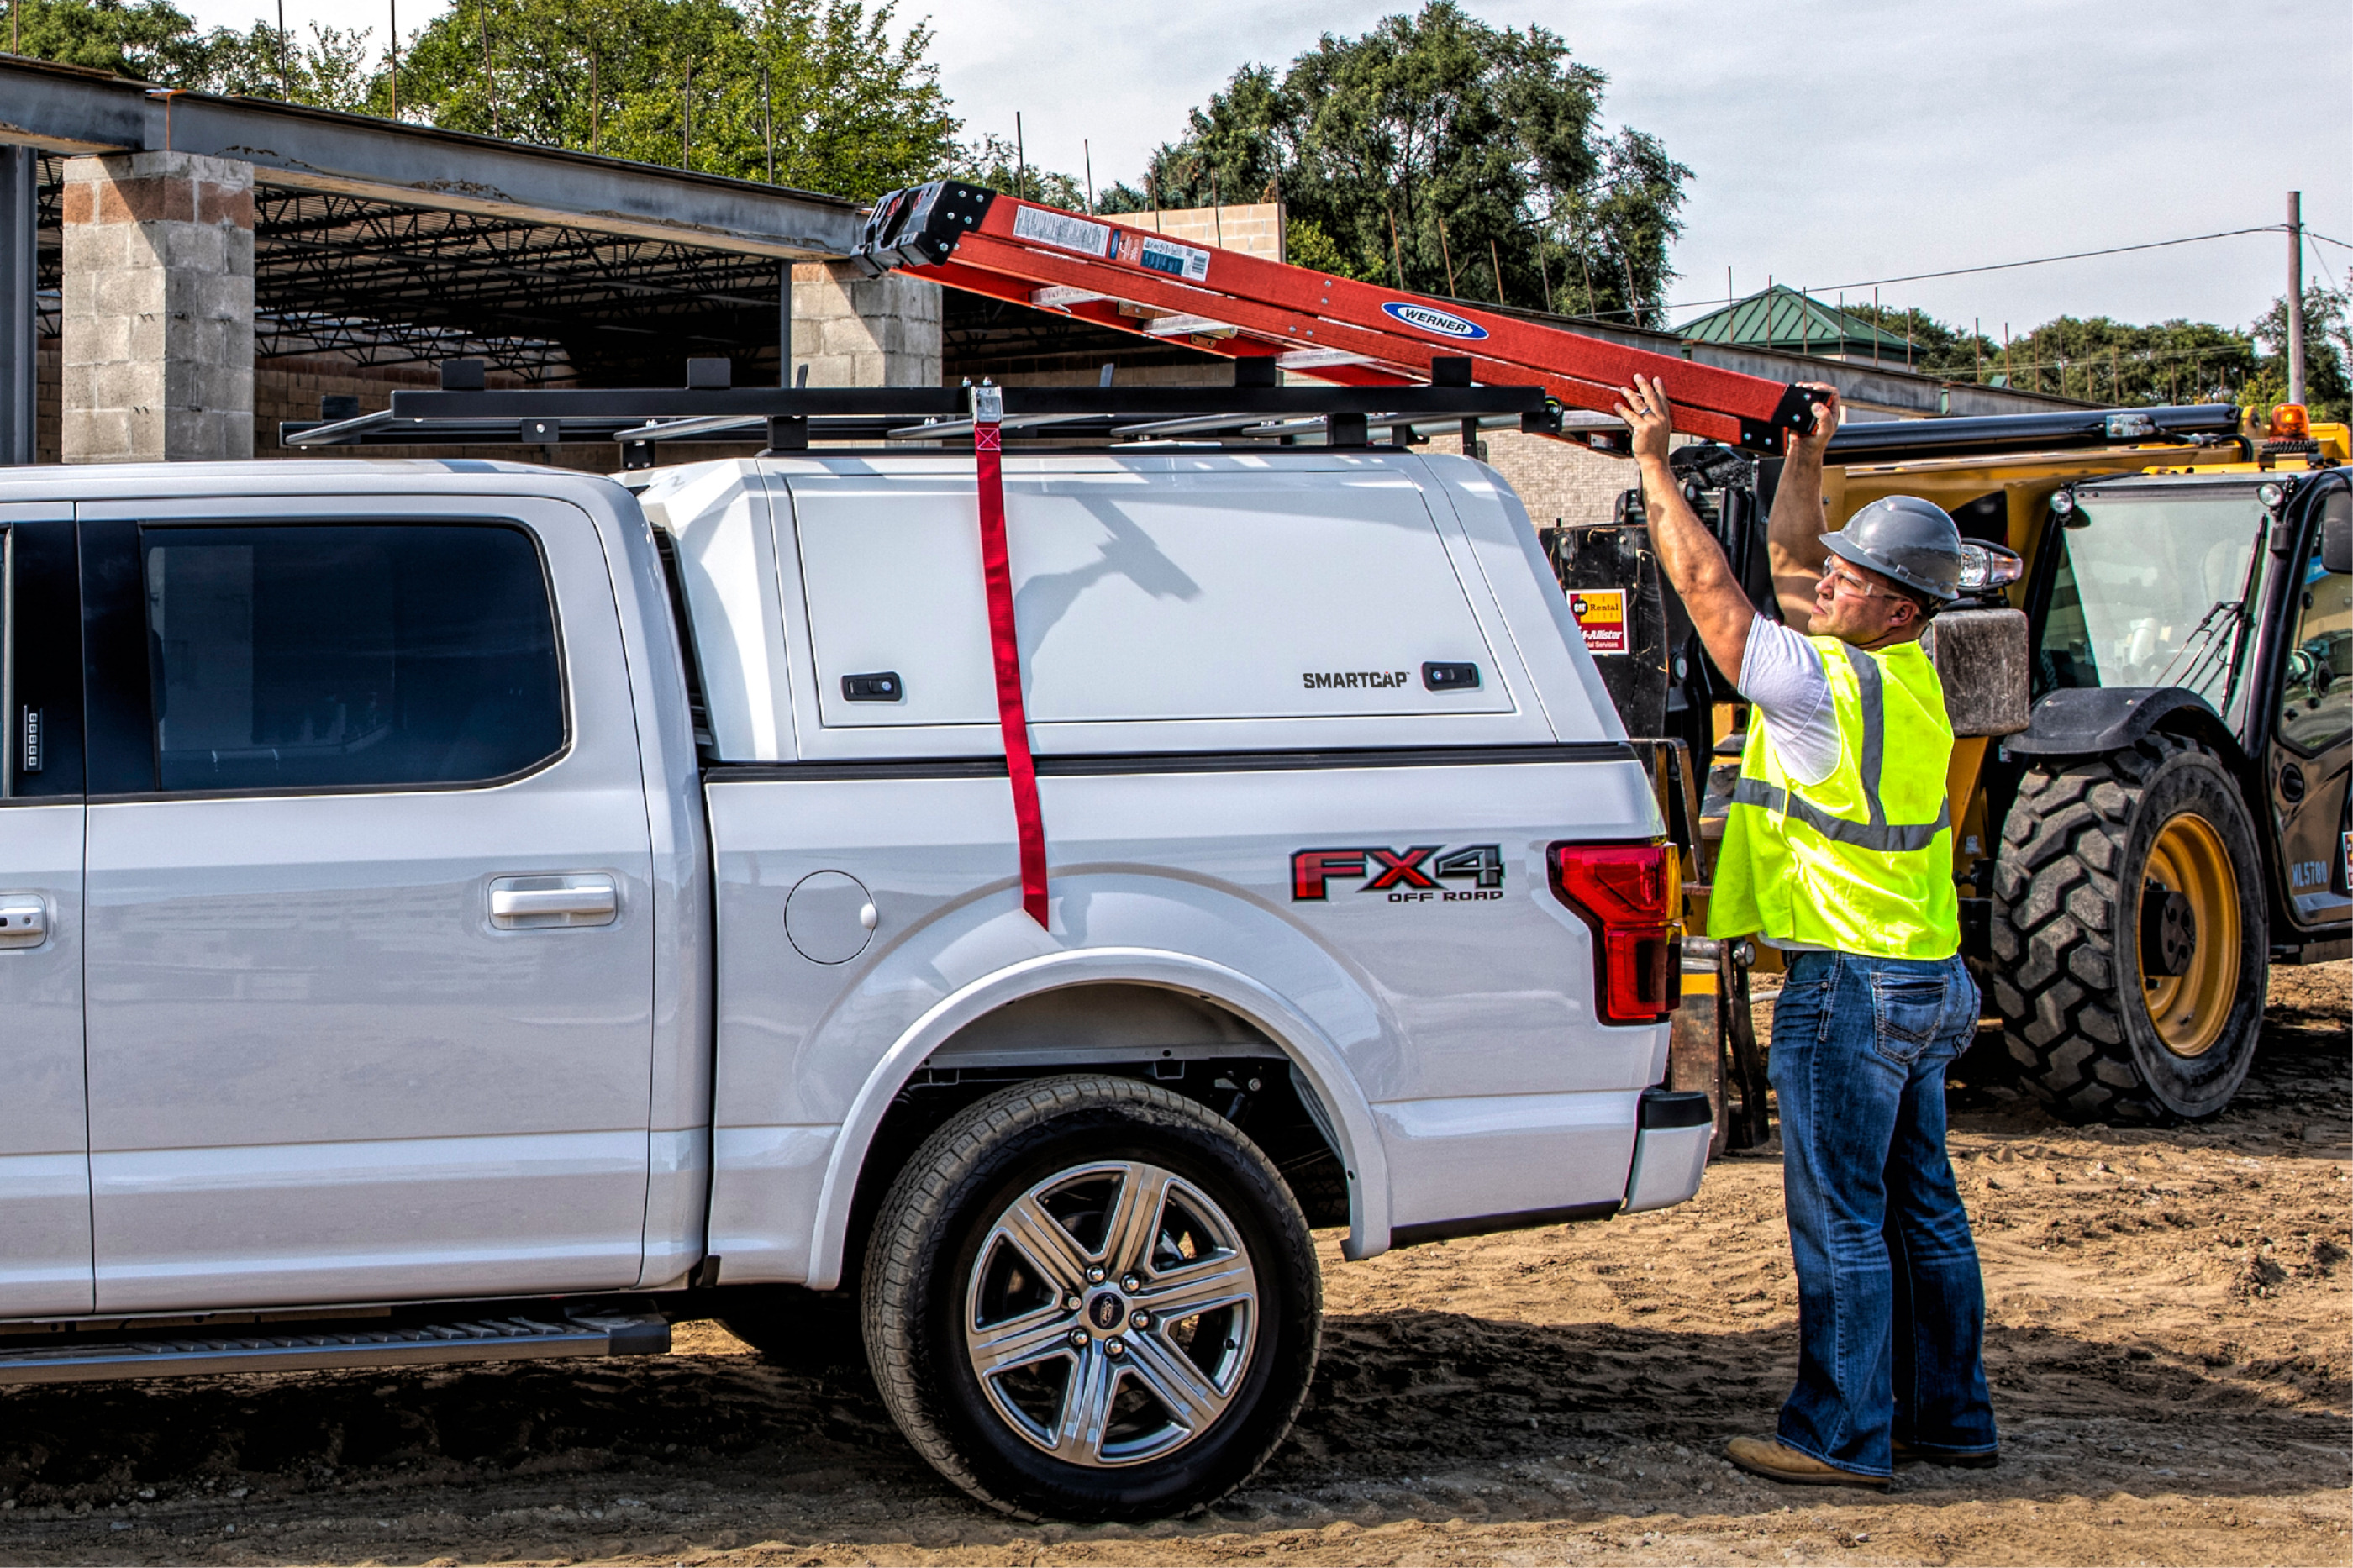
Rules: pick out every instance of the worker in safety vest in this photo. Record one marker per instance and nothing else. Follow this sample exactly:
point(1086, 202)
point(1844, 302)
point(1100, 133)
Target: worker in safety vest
point(1837, 849)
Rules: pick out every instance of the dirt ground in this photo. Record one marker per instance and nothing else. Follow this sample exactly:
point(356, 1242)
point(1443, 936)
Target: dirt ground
point(2167, 1343)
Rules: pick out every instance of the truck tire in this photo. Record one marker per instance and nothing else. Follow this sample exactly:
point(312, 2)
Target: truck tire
point(1089, 1298)
point(2130, 934)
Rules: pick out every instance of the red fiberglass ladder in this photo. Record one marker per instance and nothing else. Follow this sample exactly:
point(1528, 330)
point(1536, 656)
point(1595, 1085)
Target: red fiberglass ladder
point(1334, 329)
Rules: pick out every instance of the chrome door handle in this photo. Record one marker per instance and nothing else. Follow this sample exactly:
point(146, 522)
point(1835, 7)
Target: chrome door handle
point(525, 903)
point(24, 920)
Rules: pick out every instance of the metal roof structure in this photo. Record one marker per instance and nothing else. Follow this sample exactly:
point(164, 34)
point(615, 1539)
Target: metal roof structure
point(384, 242)
point(1782, 319)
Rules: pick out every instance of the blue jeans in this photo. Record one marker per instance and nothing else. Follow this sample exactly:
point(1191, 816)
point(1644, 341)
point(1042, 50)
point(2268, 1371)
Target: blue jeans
point(1891, 1307)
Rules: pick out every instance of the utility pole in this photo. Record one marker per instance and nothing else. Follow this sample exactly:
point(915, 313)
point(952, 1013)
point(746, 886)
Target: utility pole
point(686, 118)
point(285, 83)
point(1977, 347)
point(1087, 156)
point(768, 123)
point(595, 101)
point(1020, 161)
point(395, 77)
point(2295, 296)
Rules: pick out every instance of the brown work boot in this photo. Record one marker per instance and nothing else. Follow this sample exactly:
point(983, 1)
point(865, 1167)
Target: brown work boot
point(1776, 1461)
point(1906, 1453)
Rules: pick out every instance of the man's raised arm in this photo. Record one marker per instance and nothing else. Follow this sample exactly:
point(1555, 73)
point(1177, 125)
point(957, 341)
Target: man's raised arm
point(1688, 553)
point(1793, 548)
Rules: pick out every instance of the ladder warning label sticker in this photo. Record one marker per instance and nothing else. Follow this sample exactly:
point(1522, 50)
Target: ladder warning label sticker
point(1062, 230)
point(1189, 262)
point(1601, 615)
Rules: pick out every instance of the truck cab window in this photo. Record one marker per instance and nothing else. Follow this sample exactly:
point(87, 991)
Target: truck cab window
point(328, 656)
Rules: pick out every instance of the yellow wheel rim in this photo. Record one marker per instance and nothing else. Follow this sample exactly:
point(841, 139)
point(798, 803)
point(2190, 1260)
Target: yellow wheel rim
point(2190, 1009)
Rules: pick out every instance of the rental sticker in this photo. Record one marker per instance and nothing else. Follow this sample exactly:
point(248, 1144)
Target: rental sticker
point(1601, 615)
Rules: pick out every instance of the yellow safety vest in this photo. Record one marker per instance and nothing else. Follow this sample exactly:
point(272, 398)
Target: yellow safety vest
point(1860, 862)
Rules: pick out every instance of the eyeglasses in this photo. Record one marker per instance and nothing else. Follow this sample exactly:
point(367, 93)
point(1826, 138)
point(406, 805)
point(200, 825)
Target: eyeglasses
point(1850, 584)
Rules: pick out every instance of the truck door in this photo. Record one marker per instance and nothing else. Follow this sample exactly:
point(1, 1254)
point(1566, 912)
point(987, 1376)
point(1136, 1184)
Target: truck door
point(45, 1264)
point(2312, 736)
point(370, 934)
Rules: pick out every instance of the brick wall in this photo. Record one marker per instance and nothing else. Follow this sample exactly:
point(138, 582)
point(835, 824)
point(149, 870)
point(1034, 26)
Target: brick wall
point(1557, 480)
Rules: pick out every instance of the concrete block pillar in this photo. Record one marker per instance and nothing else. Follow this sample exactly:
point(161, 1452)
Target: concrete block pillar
point(854, 331)
point(158, 309)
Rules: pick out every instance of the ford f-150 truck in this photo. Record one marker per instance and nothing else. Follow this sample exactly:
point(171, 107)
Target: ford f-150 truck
point(459, 911)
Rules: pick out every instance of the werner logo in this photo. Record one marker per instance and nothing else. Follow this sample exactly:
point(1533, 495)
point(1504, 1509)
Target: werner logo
point(1429, 319)
point(1415, 875)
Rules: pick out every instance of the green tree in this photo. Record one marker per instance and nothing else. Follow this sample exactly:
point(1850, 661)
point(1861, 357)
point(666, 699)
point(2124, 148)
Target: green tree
point(2327, 351)
point(701, 84)
point(2099, 358)
point(1430, 149)
point(151, 40)
point(1936, 349)
point(994, 161)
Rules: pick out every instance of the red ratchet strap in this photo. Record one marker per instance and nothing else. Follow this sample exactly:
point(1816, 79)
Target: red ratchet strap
point(1005, 649)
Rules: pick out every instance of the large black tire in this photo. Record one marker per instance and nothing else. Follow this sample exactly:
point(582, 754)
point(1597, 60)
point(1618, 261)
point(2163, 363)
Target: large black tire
point(1011, 1227)
point(2079, 948)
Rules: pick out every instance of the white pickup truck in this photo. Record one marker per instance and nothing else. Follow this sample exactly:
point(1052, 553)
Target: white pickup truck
point(459, 911)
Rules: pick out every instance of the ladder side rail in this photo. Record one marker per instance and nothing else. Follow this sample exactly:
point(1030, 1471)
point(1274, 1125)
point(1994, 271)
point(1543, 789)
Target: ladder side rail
point(1004, 258)
point(1293, 294)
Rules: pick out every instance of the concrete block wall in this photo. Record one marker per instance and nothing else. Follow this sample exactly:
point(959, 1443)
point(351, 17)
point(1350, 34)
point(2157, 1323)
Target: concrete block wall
point(1254, 229)
point(855, 331)
point(156, 350)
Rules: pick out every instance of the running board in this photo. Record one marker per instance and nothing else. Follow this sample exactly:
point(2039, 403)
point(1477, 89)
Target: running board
point(300, 1347)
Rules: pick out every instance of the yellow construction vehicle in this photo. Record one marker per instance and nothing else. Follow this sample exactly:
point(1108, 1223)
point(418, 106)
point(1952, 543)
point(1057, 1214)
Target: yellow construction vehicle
point(2152, 684)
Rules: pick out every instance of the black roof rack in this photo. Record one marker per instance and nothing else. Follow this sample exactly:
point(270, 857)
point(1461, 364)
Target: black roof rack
point(788, 418)
point(1916, 440)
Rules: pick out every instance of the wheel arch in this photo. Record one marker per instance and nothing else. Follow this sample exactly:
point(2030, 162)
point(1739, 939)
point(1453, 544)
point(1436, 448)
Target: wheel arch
point(1316, 1058)
point(2093, 720)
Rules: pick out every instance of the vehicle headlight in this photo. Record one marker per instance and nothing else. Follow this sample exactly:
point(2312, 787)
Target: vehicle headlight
point(1984, 566)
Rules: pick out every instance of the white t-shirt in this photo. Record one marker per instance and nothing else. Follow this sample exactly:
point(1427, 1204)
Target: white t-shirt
point(1781, 674)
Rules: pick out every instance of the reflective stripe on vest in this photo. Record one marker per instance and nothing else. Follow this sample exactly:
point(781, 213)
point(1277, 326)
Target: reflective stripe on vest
point(1876, 833)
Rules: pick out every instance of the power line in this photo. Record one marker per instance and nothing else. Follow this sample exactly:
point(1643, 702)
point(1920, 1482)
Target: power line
point(2037, 261)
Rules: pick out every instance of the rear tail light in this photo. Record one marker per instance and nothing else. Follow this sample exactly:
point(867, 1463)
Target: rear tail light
point(1630, 895)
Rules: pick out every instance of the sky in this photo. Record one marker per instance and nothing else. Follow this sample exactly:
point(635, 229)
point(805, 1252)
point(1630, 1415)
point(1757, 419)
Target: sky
point(1831, 143)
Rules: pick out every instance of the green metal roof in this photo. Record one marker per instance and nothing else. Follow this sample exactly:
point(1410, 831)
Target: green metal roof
point(1781, 318)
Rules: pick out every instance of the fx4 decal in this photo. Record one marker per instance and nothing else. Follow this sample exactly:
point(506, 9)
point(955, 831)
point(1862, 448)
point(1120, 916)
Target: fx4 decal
point(1412, 875)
